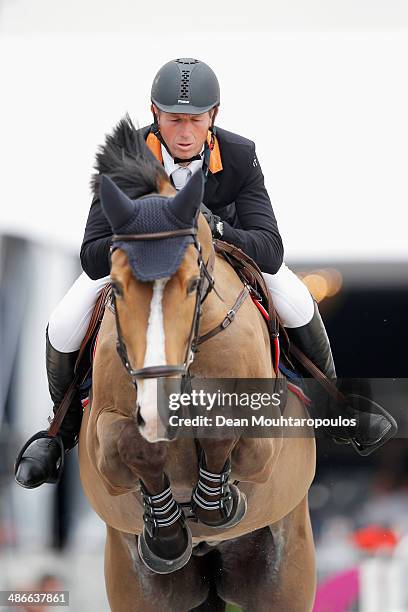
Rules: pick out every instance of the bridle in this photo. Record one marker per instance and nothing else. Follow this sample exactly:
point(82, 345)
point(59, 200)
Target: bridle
point(204, 287)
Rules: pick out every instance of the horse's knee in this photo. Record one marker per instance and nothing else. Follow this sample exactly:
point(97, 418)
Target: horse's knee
point(140, 456)
point(116, 476)
point(217, 452)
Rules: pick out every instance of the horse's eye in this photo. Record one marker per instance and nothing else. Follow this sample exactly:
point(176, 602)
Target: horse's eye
point(117, 290)
point(193, 285)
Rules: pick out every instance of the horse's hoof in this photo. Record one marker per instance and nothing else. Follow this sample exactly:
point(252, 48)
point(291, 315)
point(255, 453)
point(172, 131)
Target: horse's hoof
point(161, 565)
point(238, 510)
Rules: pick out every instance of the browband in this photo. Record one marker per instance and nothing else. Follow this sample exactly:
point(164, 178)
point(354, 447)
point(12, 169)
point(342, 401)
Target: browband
point(189, 231)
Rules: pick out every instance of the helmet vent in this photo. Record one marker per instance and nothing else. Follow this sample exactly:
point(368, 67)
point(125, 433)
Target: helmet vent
point(185, 85)
point(186, 61)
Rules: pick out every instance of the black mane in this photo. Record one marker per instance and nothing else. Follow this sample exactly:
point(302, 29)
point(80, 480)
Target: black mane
point(126, 159)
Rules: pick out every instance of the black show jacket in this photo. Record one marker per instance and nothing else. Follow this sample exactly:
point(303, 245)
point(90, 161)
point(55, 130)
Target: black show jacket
point(236, 193)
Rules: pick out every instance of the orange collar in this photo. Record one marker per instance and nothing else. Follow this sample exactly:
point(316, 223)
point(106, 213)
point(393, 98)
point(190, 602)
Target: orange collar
point(215, 158)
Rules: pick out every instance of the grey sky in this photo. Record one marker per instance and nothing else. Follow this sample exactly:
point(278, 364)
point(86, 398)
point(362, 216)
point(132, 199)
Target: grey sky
point(45, 16)
point(324, 99)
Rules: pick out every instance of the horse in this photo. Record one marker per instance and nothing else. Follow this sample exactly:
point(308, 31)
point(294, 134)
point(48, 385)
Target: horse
point(167, 290)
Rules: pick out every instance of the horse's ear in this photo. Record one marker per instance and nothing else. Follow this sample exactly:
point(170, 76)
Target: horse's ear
point(188, 200)
point(116, 205)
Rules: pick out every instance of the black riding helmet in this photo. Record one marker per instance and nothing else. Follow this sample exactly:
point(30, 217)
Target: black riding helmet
point(185, 85)
point(188, 86)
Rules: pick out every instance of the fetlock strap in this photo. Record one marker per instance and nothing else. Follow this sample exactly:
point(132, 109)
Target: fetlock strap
point(215, 501)
point(165, 544)
point(160, 510)
point(213, 485)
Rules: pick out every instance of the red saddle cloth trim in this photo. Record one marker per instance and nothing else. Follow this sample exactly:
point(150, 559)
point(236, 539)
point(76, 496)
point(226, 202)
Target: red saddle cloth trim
point(276, 347)
point(300, 394)
point(262, 310)
point(294, 388)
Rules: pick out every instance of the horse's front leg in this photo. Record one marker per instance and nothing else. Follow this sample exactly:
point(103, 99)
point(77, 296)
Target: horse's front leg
point(215, 500)
point(144, 459)
point(165, 544)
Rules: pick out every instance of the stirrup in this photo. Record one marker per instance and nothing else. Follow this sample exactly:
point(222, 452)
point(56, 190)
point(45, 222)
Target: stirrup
point(61, 460)
point(371, 447)
point(367, 449)
point(231, 502)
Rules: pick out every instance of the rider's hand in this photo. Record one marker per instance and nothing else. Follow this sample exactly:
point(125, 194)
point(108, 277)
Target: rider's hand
point(214, 221)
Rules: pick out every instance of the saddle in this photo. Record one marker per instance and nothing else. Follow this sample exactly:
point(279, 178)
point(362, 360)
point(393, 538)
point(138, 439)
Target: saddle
point(250, 273)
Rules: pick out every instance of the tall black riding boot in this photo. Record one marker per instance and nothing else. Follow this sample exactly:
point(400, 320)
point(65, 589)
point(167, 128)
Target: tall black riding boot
point(374, 424)
point(42, 459)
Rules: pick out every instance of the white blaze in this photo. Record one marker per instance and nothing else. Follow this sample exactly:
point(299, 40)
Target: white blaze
point(155, 355)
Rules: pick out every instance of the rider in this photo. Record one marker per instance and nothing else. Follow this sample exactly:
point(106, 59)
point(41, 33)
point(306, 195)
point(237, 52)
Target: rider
point(185, 99)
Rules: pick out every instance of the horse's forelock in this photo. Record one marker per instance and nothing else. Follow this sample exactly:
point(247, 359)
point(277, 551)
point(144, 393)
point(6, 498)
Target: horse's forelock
point(127, 160)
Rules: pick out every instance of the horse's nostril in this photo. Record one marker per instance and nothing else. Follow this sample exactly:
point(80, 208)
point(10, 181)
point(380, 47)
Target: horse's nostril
point(139, 419)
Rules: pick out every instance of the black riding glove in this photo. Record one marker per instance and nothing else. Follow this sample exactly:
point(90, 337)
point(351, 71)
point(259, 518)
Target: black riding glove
point(214, 221)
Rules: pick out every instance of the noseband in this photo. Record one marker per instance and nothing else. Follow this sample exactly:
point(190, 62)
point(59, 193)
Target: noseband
point(204, 287)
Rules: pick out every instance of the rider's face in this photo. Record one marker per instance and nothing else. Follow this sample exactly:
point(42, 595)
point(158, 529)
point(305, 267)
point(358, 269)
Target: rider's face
point(184, 134)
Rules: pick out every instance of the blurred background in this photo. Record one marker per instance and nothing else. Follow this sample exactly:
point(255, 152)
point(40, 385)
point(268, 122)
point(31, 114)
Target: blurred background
point(321, 87)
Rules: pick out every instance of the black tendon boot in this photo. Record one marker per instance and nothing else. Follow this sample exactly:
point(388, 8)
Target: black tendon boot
point(41, 458)
point(215, 501)
point(374, 425)
point(165, 544)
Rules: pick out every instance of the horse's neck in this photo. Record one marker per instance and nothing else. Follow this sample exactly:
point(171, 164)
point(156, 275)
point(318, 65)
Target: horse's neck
point(243, 348)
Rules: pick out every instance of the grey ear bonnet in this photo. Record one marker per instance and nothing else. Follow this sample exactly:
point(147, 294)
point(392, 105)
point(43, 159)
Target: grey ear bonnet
point(152, 259)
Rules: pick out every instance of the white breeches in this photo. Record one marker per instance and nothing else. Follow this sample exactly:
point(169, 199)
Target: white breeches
point(290, 296)
point(70, 319)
